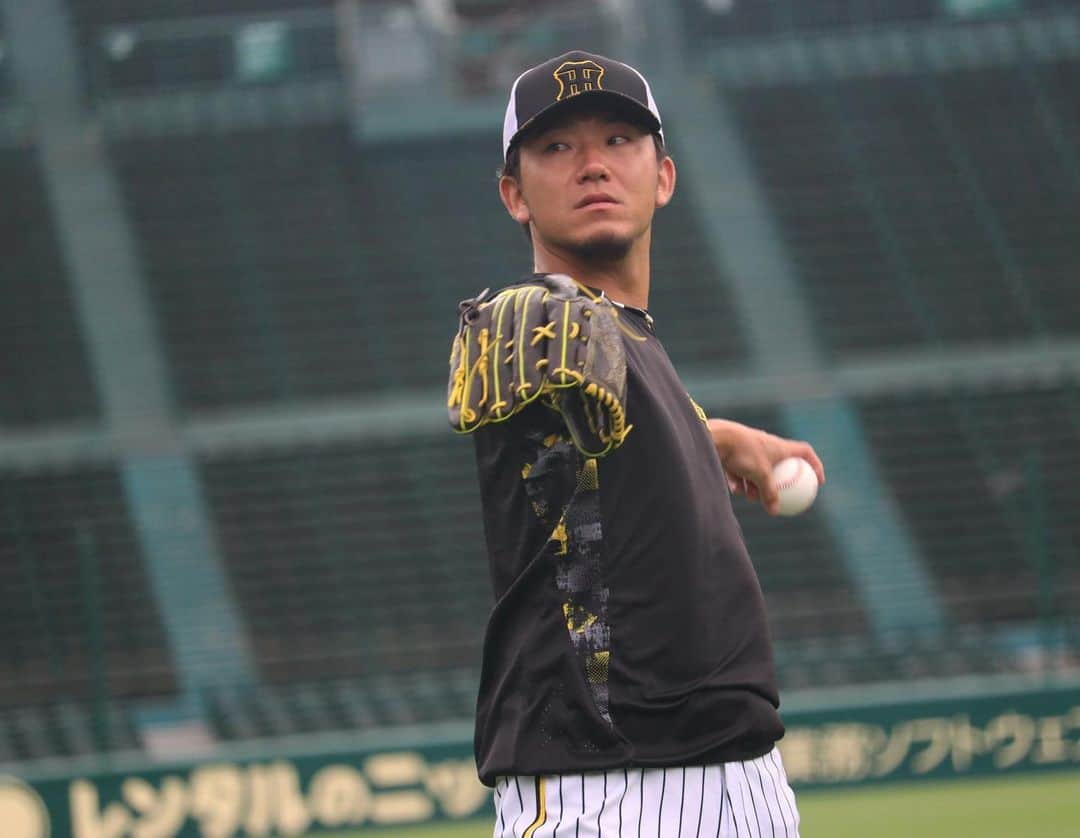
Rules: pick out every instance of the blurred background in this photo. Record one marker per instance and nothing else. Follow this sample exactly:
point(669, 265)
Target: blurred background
point(242, 577)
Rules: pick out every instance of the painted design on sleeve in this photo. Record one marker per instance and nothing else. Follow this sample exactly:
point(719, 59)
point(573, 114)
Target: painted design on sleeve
point(575, 548)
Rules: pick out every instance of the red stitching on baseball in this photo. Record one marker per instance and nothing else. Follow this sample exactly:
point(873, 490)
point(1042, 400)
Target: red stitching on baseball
point(791, 481)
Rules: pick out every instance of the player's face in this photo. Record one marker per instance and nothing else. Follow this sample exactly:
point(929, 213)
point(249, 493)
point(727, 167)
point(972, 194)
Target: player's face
point(589, 186)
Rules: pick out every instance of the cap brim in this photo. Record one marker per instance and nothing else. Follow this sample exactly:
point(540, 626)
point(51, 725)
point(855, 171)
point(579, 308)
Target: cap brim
point(634, 111)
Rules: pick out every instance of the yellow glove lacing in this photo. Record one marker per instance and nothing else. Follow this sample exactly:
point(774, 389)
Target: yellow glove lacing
point(561, 377)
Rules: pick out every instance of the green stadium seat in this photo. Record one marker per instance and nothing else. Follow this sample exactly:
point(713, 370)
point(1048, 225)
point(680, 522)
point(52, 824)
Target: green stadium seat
point(43, 364)
point(984, 479)
point(69, 559)
point(906, 219)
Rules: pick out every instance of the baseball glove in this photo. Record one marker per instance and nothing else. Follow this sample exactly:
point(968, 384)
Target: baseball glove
point(543, 340)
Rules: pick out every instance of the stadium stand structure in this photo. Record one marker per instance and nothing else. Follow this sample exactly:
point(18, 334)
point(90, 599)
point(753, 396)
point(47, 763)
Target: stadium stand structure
point(821, 632)
point(342, 703)
point(360, 573)
point(289, 264)
point(692, 305)
point(985, 481)
point(65, 728)
point(354, 560)
point(7, 87)
point(79, 622)
point(904, 214)
point(253, 255)
point(710, 21)
point(96, 12)
point(132, 47)
point(43, 366)
point(70, 558)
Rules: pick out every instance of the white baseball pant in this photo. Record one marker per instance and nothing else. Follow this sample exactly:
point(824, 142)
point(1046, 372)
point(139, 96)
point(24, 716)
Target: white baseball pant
point(750, 799)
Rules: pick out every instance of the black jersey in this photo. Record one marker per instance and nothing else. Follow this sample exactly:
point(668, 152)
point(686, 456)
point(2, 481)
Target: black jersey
point(629, 626)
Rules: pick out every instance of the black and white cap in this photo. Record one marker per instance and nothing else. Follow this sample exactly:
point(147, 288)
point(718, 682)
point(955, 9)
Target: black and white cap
point(547, 87)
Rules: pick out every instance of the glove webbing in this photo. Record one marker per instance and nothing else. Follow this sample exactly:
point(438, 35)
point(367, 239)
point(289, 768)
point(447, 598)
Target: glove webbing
point(561, 377)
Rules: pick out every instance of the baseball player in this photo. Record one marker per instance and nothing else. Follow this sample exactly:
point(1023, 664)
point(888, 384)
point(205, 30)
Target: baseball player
point(627, 686)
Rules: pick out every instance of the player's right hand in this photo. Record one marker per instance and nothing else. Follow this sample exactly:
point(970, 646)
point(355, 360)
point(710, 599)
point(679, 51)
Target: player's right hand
point(748, 456)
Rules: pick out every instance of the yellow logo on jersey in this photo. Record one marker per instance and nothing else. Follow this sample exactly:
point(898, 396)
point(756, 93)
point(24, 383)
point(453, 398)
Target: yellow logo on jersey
point(697, 409)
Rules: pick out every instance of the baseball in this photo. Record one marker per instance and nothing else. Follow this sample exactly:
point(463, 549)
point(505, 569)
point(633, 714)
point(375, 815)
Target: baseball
point(798, 485)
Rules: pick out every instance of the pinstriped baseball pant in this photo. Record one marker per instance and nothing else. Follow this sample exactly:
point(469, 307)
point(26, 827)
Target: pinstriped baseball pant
point(750, 799)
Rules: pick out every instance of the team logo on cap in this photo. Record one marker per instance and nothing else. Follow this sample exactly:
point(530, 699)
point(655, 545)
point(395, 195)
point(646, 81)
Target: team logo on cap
point(576, 77)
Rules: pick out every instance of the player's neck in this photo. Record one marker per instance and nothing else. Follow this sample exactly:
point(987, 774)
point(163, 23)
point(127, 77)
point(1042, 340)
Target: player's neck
point(624, 280)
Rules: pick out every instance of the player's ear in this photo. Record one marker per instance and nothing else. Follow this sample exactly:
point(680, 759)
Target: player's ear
point(665, 182)
point(514, 200)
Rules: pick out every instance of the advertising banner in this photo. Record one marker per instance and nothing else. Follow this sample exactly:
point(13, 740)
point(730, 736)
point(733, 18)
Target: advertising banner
point(301, 795)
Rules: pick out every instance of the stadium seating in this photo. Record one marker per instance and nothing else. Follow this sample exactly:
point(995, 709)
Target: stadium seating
point(1025, 177)
point(254, 262)
point(62, 727)
point(354, 559)
point(76, 610)
point(290, 264)
point(43, 366)
point(716, 21)
point(864, 659)
point(335, 704)
point(295, 242)
point(7, 87)
point(906, 219)
point(985, 481)
point(691, 299)
point(706, 21)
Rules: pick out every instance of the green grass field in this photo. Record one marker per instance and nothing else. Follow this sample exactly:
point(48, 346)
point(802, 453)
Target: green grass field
point(1041, 806)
